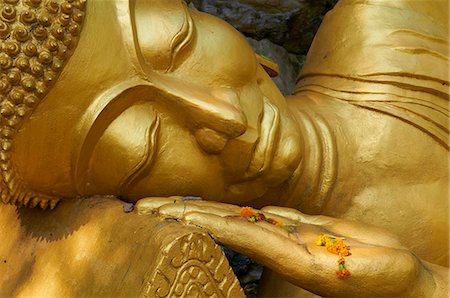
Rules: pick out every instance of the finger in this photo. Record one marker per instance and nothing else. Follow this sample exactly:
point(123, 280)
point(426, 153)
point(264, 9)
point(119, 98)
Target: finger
point(312, 268)
point(372, 265)
point(364, 233)
point(151, 204)
point(340, 227)
point(229, 207)
point(296, 215)
point(272, 247)
point(285, 230)
point(179, 209)
point(263, 242)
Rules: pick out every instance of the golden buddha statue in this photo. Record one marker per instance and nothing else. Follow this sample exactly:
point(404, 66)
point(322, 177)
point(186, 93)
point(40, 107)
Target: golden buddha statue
point(149, 99)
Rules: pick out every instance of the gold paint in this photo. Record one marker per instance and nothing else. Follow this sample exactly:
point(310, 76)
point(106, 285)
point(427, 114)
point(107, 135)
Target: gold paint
point(269, 66)
point(192, 263)
point(91, 248)
point(35, 75)
point(166, 101)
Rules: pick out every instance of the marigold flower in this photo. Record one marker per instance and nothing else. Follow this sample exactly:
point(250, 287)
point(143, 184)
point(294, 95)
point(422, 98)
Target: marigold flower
point(334, 249)
point(339, 241)
point(343, 273)
point(336, 246)
point(251, 216)
point(260, 216)
point(344, 250)
point(247, 211)
point(322, 240)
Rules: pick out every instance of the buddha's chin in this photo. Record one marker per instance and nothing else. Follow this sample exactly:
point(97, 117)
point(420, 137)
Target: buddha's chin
point(285, 161)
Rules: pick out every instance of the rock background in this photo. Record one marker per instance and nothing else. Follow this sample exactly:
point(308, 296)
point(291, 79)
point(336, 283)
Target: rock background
point(281, 30)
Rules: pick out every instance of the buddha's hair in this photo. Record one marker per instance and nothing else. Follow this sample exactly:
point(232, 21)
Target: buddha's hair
point(37, 37)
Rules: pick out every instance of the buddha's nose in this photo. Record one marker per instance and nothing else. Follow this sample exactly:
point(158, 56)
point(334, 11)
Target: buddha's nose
point(224, 121)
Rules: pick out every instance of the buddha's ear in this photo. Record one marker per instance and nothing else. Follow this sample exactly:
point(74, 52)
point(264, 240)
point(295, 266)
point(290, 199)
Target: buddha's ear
point(161, 28)
point(269, 66)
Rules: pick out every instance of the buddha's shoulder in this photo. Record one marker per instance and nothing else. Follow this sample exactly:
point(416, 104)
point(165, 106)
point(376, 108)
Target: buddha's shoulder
point(383, 136)
point(408, 113)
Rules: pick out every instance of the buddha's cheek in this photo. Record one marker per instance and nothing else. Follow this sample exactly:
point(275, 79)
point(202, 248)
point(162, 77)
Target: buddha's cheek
point(179, 167)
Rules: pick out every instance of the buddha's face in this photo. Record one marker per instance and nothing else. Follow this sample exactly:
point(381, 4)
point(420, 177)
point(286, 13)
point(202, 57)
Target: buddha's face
point(219, 126)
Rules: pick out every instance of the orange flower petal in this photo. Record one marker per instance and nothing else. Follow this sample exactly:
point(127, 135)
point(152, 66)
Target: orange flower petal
point(247, 211)
point(343, 273)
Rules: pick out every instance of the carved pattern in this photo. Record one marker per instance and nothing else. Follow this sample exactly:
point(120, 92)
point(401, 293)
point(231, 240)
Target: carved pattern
point(192, 266)
point(36, 38)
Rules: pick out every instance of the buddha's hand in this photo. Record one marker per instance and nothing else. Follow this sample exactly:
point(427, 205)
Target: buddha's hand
point(372, 262)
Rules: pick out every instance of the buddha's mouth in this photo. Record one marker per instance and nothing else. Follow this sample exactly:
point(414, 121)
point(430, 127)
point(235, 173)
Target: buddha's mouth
point(266, 145)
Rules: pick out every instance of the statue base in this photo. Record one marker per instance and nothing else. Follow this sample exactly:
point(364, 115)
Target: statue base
point(91, 247)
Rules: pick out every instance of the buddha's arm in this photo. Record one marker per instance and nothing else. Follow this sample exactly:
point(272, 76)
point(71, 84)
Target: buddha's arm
point(375, 87)
point(378, 264)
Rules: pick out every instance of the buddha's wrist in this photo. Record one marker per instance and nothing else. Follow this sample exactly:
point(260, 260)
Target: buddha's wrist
point(432, 281)
point(441, 279)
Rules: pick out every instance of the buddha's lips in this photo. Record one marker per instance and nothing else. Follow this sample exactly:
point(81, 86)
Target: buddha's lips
point(264, 151)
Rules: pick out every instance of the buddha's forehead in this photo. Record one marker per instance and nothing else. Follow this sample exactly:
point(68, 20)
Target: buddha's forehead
point(173, 38)
point(161, 36)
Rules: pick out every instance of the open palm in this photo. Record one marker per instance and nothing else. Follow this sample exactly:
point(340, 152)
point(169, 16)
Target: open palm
point(379, 265)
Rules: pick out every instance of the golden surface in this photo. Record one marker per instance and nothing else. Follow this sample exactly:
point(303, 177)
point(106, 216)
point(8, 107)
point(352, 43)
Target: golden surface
point(159, 100)
point(37, 38)
point(91, 248)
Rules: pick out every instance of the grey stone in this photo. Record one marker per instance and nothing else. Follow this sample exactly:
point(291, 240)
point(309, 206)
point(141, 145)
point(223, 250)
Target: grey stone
point(289, 23)
point(128, 207)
